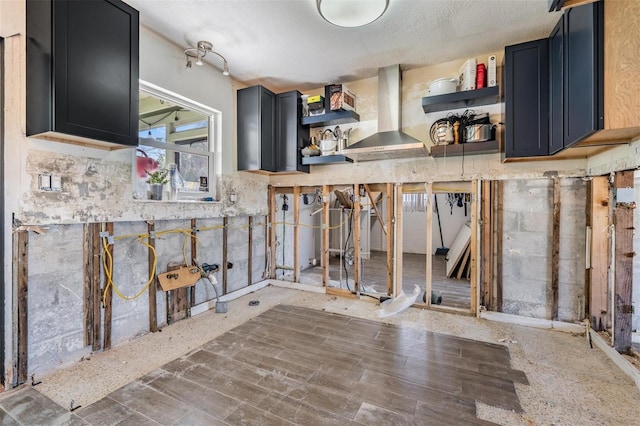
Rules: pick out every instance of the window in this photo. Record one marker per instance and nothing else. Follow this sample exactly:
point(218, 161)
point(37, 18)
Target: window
point(175, 130)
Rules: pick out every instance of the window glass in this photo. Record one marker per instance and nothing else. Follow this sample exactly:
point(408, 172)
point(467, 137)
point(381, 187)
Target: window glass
point(172, 131)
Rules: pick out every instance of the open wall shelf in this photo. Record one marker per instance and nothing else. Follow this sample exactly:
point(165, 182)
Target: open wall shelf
point(469, 148)
point(330, 119)
point(469, 98)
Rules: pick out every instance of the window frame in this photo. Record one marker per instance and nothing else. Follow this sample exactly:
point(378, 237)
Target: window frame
point(214, 139)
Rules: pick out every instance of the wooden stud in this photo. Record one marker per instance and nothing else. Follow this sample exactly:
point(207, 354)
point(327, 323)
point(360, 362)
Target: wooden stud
point(296, 234)
point(498, 235)
point(486, 244)
point(598, 219)
point(473, 249)
point(390, 236)
point(108, 297)
point(399, 255)
point(357, 207)
point(21, 277)
point(177, 302)
point(194, 257)
point(250, 252)
point(153, 288)
point(375, 208)
point(92, 310)
point(623, 301)
point(555, 250)
point(272, 232)
point(325, 235)
point(429, 241)
point(96, 289)
point(225, 224)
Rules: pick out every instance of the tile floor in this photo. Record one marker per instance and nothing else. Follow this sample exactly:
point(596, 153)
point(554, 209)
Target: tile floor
point(293, 365)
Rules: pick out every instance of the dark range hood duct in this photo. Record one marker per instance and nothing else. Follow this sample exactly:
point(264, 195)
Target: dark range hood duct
point(389, 142)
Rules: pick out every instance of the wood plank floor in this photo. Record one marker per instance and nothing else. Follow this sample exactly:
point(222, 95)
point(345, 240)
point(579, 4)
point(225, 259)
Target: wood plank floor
point(293, 365)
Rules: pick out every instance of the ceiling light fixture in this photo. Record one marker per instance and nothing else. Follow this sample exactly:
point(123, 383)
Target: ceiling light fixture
point(351, 13)
point(200, 51)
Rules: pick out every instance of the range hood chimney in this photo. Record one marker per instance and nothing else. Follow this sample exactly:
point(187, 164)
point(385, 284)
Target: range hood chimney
point(389, 142)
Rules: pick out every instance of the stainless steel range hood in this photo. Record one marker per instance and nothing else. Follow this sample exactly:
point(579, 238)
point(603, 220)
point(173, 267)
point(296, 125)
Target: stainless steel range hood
point(389, 142)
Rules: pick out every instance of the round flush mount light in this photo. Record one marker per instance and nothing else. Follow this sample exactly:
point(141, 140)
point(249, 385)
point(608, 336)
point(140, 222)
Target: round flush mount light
point(351, 13)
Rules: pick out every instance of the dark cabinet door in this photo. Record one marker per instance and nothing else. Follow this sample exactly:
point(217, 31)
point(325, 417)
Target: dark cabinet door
point(527, 99)
point(82, 69)
point(292, 136)
point(583, 72)
point(256, 112)
point(556, 104)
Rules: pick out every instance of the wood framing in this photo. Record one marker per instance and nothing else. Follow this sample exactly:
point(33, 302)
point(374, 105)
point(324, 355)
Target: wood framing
point(486, 252)
point(325, 235)
point(555, 250)
point(21, 293)
point(271, 220)
point(225, 260)
point(194, 257)
point(296, 234)
point(474, 249)
point(357, 208)
point(623, 301)
point(375, 208)
point(598, 261)
point(250, 251)
point(108, 295)
point(153, 287)
point(498, 233)
point(429, 245)
point(399, 208)
point(340, 292)
point(390, 236)
point(92, 309)
point(177, 302)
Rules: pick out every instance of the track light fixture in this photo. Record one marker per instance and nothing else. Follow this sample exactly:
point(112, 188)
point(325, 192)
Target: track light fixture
point(200, 51)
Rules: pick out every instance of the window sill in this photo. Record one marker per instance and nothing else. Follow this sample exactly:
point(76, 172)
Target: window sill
point(184, 201)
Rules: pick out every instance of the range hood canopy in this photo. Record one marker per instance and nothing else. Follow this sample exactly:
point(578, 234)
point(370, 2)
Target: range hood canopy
point(389, 142)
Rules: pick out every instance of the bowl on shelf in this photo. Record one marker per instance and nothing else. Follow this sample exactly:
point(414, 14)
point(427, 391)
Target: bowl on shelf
point(442, 86)
point(310, 151)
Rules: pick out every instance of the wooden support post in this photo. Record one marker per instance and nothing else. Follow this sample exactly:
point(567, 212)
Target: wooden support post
point(390, 236)
point(194, 257)
point(555, 250)
point(398, 250)
point(92, 312)
point(153, 288)
point(225, 224)
point(357, 207)
point(296, 234)
point(486, 244)
point(250, 252)
point(21, 284)
point(108, 297)
point(271, 223)
point(325, 235)
point(429, 245)
point(623, 301)
point(498, 235)
point(177, 302)
point(475, 204)
point(375, 208)
point(598, 261)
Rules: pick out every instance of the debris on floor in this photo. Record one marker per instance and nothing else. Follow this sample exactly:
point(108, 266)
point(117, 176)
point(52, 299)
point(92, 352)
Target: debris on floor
point(399, 304)
point(507, 340)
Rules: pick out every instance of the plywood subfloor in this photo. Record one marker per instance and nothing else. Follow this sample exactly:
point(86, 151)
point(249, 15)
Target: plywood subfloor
point(293, 365)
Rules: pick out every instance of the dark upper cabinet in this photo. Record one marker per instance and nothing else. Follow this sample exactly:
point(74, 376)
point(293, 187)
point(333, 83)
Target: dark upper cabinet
point(82, 71)
point(256, 129)
point(291, 135)
point(556, 96)
point(583, 72)
point(526, 85)
point(270, 135)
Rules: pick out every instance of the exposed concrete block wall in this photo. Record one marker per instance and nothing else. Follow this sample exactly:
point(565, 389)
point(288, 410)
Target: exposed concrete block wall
point(527, 243)
point(56, 281)
point(55, 299)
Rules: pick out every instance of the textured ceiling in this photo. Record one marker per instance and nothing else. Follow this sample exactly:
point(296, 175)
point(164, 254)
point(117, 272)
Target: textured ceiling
point(285, 44)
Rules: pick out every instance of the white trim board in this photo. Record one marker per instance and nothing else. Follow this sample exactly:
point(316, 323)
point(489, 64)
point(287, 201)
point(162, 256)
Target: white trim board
point(617, 359)
point(210, 304)
point(298, 286)
point(533, 322)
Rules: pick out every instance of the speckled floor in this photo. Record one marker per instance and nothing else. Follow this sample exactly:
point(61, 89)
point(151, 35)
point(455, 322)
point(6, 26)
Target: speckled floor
point(568, 382)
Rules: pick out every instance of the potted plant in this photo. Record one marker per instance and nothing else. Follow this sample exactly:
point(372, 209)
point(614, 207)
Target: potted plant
point(156, 181)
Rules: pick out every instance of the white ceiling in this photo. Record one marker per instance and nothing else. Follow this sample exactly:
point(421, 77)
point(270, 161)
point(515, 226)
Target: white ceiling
point(285, 44)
